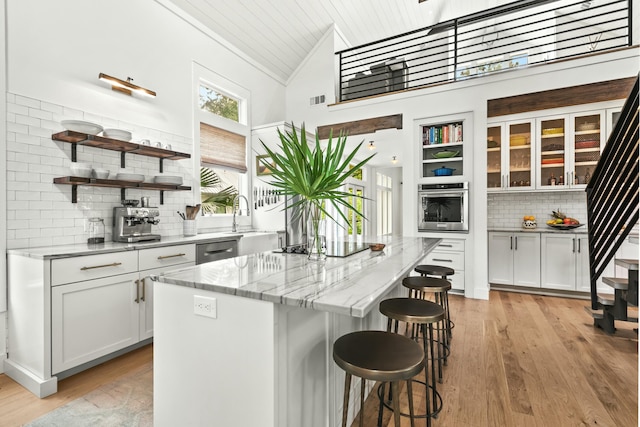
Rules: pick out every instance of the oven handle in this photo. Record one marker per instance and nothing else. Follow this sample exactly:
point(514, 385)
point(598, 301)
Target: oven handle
point(445, 193)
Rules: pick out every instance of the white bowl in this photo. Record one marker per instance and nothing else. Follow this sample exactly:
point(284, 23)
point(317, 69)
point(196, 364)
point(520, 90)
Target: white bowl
point(101, 173)
point(82, 170)
point(167, 179)
point(81, 126)
point(135, 177)
point(120, 134)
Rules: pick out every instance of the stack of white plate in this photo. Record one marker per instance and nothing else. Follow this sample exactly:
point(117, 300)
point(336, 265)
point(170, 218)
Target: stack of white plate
point(167, 179)
point(122, 135)
point(135, 177)
point(81, 126)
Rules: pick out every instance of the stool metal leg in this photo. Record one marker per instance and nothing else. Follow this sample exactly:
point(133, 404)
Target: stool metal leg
point(345, 403)
point(395, 402)
point(433, 373)
point(426, 375)
point(362, 385)
point(410, 394)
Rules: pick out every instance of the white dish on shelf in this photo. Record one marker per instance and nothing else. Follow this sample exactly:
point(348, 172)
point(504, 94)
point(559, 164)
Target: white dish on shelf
point(167, 179)
point(81, 126)
point(134, 177)
point(82, 170)
point(101, 173)
point(122, 135)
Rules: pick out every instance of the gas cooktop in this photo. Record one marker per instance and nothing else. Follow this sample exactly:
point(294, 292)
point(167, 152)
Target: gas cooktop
point(334, 249)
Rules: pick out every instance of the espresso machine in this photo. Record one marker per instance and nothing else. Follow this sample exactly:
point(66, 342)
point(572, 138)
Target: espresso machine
point(133, 224)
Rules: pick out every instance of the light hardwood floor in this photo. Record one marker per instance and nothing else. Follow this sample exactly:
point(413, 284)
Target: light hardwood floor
point(18, 406)
point(516, 360)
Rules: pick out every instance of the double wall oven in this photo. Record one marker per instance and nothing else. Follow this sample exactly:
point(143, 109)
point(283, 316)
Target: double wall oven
point(443, 207)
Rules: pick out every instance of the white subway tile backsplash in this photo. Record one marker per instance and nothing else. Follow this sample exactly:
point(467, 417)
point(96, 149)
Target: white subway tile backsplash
point(507, 210)
point(40, 212)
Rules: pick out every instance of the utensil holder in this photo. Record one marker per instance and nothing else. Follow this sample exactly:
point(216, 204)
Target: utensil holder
point(189, 227)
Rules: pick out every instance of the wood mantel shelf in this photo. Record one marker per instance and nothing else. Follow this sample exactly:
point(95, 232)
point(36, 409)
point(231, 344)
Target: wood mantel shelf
point(80, 138)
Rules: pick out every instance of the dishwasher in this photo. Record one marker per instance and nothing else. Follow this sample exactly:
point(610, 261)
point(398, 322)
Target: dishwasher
point(207, 252)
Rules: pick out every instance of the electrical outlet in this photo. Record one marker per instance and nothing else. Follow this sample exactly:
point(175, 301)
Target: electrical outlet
point(205, 306)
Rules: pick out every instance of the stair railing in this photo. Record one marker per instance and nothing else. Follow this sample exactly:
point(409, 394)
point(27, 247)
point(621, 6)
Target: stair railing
point(612, 193)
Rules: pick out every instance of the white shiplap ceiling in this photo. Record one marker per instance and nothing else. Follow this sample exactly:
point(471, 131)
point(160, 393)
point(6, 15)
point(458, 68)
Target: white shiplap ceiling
point(279, 34)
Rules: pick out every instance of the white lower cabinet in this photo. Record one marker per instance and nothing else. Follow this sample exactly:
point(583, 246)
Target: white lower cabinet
point(450, 253)
point(514, 259)
point(91, 319)
point(559, 261)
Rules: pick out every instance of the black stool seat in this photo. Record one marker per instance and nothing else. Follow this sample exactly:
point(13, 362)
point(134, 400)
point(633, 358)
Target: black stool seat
point(435, 270)
point(412, 310)
point(426, 284)
point(378, 356)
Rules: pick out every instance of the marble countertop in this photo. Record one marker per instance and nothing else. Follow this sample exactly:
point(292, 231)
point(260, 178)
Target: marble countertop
point(68, 251)
point(351, 286)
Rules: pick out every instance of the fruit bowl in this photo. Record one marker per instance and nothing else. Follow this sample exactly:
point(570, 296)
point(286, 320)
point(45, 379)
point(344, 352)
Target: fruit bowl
point(564, 226)
point(529, 225)
point(376, 246)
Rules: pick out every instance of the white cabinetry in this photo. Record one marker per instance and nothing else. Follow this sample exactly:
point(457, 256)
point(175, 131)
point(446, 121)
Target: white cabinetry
point(68, 314)
point(91, 319)
point(450, 253)
point(514, 259)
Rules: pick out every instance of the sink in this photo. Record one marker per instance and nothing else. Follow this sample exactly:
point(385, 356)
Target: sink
point(257, 241)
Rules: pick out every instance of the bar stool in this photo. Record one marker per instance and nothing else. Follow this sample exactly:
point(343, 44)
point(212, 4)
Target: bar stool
point(422, 314)
point(444, 273)
point(378, 356)
point(420, 285)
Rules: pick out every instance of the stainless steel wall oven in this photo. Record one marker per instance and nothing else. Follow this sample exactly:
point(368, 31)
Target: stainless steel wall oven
point(443, 207)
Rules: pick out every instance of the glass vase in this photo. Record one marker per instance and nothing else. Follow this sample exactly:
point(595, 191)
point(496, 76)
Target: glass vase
point(316, 234)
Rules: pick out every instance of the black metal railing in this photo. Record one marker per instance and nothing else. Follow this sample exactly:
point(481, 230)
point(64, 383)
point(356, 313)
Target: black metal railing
point(504, 38)
point(612, 192)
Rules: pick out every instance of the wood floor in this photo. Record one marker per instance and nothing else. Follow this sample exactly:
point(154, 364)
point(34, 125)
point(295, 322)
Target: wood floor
point(526, 360)
point(516, 360)
point(18, 406)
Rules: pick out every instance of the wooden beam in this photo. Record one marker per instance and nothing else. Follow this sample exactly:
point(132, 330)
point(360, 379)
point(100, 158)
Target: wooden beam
point(574, 95)
point(359, 127)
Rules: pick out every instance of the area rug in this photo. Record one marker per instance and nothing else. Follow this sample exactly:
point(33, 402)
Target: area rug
point(127, 402)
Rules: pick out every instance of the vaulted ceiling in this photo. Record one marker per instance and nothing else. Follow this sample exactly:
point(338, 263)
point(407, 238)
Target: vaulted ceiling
point(279, 34)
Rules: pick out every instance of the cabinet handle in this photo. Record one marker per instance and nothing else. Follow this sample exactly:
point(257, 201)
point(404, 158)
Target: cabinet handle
point(574, 244)
point(170, 256)
point(142, 281)
point(511, 243)
point(442, 260)
point(578, 245)
point(567, 182)
point(516, 243)
point(137, 300)
point(114, 264)
point(446, 246)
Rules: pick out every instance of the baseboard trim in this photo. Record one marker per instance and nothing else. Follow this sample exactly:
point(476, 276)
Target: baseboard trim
point(38, 386)
point(540, 291)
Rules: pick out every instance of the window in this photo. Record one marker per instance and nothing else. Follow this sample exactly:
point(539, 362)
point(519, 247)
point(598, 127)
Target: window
point(222, 133)
point(219, 104)
point(385, 211)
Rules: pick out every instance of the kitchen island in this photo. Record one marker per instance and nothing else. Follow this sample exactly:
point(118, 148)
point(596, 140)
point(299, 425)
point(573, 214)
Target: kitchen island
point(248, 341)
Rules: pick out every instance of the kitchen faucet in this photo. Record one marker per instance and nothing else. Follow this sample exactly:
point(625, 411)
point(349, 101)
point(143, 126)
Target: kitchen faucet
point(234, 226)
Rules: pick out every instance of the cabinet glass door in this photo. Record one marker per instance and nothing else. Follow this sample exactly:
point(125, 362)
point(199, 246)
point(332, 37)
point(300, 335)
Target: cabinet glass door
point(494, 157)
point(552, 152)
point(519, 158)
point(587, 146)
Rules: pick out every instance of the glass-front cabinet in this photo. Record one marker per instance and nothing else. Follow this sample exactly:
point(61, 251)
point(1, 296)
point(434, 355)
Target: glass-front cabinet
point(509, 155)
point(588, 142)
point(552, 158)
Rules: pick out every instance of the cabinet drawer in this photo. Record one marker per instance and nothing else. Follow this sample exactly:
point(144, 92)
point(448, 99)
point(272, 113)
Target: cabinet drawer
point(77, 269)
point(454, 245)
point(454, 260)
point(457, 280)
point(166, 256)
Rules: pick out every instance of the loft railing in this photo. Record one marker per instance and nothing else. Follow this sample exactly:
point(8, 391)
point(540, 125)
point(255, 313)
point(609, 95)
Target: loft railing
point(612, 192)
point(504, 38)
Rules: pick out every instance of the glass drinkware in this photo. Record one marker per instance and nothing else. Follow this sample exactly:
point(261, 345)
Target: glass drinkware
point(96, 231)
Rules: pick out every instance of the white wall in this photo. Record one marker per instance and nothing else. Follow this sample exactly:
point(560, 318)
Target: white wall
point(54, 53)
point(470, 95)
point(3, 183)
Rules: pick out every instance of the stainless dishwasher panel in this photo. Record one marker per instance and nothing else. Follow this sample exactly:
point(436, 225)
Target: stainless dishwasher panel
point(207, 252)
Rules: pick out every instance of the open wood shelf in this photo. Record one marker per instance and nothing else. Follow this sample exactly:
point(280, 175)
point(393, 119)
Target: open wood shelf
point(74, 181)
point(73, 137)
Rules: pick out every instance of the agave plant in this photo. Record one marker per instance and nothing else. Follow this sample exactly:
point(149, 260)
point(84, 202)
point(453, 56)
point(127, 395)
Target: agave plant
point(218, 198)
point(315, 175)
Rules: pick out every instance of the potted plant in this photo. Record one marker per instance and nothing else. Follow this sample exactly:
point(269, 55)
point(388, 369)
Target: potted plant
point(316, 176)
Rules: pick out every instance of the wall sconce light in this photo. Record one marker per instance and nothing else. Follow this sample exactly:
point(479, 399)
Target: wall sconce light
point(126, 86)
point(371, 146)
point(394, 160)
